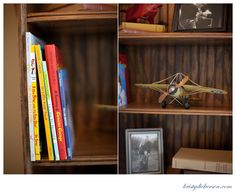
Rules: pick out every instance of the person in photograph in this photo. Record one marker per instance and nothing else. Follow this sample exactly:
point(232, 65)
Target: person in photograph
point(196, 16)
point(144, 152)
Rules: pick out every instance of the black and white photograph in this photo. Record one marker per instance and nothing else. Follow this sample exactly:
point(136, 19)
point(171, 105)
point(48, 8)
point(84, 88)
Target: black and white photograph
point(199, 17)
point(144, 151)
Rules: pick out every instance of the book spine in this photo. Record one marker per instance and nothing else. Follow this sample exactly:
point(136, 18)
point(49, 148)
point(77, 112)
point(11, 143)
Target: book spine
point(30, 104)
point(44, 102)
point(122, 92)
point(51, 59)
point(35, 104)
point(50, 111)
point(217, 167)
point(144, 27)
point(65, 111)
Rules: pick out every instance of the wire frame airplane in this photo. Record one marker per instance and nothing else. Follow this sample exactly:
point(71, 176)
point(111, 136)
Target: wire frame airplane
point(179, 88)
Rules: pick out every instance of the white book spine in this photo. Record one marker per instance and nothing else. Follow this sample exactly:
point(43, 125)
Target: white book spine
point(30, 104)
point(50, 110)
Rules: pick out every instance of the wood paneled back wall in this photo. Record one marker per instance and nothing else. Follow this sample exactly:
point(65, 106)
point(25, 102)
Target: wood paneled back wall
point(92, 68)
point(209, 132)
point(208, 65)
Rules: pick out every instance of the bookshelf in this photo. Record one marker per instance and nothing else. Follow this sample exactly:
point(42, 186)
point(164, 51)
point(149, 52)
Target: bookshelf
point(173, 38)
point(207, 58)
point(87, 40)
point(176, 110)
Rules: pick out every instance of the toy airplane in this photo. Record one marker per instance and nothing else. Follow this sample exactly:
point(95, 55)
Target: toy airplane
point(179, 90)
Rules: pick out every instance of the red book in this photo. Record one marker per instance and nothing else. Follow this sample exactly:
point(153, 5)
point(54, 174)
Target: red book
point(53, 59)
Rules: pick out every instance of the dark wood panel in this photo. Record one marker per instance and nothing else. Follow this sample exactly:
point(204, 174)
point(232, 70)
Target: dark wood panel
point(23, 87)
point(70, 168)
point(209, 132)
point(90, 57)
point(205, 64)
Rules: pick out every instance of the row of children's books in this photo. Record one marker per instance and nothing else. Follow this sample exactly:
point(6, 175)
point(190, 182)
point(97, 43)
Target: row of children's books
point(48, 91)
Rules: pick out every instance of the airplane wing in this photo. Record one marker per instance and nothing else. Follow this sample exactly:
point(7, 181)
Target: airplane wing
point(154, 86)
point(201, 89)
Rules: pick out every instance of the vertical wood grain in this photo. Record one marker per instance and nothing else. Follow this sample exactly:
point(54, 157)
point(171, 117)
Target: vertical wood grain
point(193, 132)
point(218, 73)
point(209, 132)
point(22, 25)
point(171, 8)
point(210, 71)
point(227, 73)
point(203, 63)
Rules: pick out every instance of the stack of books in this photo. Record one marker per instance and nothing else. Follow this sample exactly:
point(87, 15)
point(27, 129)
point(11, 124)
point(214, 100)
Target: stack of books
point(47, 86)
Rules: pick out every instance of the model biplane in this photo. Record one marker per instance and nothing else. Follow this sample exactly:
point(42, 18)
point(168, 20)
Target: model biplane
point(179, 88)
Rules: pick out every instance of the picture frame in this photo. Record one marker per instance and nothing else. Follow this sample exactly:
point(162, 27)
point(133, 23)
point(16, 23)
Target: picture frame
point(199, 18)
point(144, 151)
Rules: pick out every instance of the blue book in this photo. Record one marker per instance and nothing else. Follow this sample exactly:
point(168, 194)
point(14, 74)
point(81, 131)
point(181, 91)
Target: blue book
point(122, 92)
point(66, 109)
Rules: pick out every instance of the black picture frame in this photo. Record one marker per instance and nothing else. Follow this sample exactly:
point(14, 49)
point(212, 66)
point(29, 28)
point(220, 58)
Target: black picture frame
point(144, 151)
point(199, 18)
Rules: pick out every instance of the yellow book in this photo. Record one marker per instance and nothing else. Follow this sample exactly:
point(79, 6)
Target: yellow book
point(35, 103)
point(144, 27)
point(44, 101)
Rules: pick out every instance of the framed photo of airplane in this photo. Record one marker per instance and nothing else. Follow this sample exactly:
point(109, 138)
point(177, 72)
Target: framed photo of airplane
point(144, 151)
point(199, 17)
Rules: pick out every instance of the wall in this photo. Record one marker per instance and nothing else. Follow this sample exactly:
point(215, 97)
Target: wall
point(13, 148)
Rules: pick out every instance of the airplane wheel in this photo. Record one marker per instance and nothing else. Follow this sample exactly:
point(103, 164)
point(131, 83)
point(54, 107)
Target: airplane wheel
point(186, 105)
point(163, 104)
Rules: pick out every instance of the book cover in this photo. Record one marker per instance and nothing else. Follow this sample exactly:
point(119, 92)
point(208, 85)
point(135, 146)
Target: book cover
point(35, 104)
point(53, 60)
point(218, 161)
point(44, 101)
point(144, 27)
point(32, 112)
point(66, 109)
point(50, 112)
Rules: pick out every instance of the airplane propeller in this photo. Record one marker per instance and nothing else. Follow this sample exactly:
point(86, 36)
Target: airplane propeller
point(162, 97)
point(182, 82)
point(173, 88)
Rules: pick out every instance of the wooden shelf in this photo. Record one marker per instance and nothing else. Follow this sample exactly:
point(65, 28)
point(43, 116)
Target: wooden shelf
point(71, 15)
point(83, 38)
point(175, 38)
point(80, 161)
point(135, 108)
point(71, 22)
point(91, 148)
